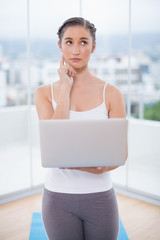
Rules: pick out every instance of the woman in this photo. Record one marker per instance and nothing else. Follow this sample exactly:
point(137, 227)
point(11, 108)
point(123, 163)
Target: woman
point(79, 203)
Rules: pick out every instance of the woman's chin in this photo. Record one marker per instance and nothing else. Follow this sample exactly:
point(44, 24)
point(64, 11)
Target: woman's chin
point(79, 67)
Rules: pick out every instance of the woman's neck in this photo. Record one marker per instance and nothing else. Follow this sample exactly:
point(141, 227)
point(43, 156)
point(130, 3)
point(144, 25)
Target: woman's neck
point(83, 76)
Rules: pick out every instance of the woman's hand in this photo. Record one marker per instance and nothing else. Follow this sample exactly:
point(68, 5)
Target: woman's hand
point(95, 170)
point(66, 72)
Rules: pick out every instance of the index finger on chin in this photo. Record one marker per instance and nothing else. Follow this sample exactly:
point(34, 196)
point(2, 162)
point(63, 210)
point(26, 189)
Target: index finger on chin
point(62, 61)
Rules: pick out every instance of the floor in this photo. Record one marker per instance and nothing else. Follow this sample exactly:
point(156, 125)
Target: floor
point(141, 220)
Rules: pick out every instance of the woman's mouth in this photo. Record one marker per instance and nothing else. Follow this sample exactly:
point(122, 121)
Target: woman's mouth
point(75, 59)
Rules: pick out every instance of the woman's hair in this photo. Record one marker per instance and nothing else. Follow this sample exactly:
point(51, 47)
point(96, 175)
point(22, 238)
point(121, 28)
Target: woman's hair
point(77, 21)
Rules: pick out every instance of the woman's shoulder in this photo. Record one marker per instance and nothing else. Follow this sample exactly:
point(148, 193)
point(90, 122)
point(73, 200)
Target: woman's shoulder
point(97, 81)
point(112, 95)
point(112, 90)
point(42, 90)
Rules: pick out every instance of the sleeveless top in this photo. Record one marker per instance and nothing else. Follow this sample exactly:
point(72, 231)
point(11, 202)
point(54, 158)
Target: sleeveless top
point(77, 181)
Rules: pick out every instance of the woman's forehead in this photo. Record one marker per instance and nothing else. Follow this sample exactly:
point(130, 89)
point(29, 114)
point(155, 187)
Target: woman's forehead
point(77, 31)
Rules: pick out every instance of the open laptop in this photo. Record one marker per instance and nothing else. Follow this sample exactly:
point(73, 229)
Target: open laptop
point(83, 143)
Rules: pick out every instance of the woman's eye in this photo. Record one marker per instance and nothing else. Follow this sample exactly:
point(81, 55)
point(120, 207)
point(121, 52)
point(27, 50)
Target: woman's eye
point(84, 42)
point(69, 43)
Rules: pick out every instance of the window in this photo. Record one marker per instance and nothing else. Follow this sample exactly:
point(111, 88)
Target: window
point(19, 136)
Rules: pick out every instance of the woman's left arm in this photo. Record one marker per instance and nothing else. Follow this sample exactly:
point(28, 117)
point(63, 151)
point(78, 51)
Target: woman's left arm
point(115, 103)
point(95, 170)
point(116, 109)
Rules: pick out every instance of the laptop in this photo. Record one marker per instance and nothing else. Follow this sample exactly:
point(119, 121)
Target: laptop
point(83, 143)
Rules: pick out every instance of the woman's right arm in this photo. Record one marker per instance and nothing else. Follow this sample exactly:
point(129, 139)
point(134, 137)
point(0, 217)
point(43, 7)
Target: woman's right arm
point(44, 106)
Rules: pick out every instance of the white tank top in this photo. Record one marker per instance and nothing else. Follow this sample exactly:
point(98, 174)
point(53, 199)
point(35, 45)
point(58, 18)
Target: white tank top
point(76, 181)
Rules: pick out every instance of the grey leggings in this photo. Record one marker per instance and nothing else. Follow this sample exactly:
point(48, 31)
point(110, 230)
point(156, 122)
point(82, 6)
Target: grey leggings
point(92, 216)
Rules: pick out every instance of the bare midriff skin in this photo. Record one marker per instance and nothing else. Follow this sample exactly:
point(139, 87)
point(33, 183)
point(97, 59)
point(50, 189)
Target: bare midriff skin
point(77, 89)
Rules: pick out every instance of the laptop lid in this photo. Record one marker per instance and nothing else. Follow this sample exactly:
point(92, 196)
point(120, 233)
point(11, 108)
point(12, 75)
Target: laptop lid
point(83, 143)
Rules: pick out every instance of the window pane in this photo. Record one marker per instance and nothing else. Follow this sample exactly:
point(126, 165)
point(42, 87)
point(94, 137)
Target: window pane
point(109, 62)
point(14, 148)
point(144, 138)
point(145, 94)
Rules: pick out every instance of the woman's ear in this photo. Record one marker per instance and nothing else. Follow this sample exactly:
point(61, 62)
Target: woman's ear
point(59, 45)
point(94, 47)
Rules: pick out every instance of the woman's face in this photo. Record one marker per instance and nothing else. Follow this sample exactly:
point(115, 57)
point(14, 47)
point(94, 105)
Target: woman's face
point(77, 46)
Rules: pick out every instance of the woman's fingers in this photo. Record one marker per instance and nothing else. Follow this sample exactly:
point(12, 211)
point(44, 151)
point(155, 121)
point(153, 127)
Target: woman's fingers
point(69, 70)
point(62, 61)
point(99, 168)
point(66, 67)
point(95, 170)
point(66, 71)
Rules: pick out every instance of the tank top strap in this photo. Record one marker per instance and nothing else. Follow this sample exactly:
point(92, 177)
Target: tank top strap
point(104, 90)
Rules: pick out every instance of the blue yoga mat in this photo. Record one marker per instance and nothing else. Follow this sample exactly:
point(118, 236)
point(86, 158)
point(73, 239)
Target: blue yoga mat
point(38, 232)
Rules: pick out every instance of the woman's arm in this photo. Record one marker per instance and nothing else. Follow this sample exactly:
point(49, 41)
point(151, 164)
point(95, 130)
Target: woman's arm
point(44, 105)
point(95, 170)
point(115, 103)
point(116, 109)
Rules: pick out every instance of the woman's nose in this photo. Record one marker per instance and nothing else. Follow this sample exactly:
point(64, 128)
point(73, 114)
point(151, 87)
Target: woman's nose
point(76, 50)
